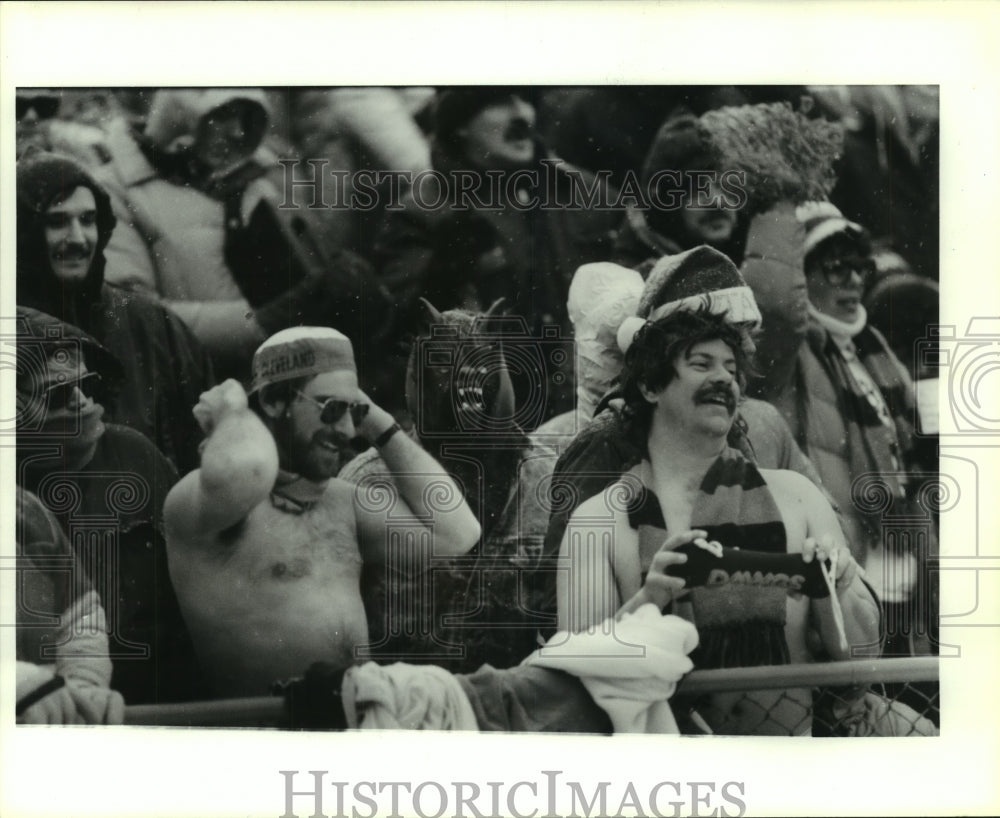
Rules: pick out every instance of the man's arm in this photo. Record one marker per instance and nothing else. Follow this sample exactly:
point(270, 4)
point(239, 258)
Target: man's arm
point(823, 539)
point(773, 268)
point(598, 579)
point(227, 329)
point(239, 465)
point(428, 493)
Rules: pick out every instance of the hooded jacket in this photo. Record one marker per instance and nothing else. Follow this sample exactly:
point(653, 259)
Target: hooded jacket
point(165, 369)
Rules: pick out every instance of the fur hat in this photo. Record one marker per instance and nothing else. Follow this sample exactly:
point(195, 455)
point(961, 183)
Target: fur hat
point(784, 155)
point(301, 352)
point(698, 278)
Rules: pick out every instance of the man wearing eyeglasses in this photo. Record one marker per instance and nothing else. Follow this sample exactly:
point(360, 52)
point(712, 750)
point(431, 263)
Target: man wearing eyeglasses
point(845, 395)
point(266, 546)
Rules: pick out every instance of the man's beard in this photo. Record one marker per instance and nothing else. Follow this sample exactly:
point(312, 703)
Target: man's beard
point(319, 458)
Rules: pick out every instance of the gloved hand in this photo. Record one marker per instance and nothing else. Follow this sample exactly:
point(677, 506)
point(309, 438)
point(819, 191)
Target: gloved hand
point(313, 702)
point(96, 705)
point(42, 697)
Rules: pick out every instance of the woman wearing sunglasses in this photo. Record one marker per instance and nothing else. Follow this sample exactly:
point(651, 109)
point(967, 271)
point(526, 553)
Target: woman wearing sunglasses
point(847, 398)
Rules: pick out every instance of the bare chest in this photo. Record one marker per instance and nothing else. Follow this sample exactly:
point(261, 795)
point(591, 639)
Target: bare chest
point(272, 546)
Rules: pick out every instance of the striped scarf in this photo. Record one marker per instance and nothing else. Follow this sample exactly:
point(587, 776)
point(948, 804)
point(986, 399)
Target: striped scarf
point(738, 625)
point(871, 446)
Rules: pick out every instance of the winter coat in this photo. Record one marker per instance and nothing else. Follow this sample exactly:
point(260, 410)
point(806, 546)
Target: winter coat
point(839, 430)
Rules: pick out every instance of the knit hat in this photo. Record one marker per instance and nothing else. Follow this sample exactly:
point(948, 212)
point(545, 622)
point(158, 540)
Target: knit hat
point(822, 220)
point(301, 352)
point(700, 278)
point(679, 144)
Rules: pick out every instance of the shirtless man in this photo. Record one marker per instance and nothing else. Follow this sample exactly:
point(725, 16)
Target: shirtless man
point(265, 546)
point(682, 382)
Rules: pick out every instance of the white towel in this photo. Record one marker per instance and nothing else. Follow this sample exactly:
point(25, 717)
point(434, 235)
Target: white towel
point(405, 697)
point(630, 684)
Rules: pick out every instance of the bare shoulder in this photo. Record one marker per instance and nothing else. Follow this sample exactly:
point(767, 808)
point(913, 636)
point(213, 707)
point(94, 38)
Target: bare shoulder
point(804, 509)
point(791, 485)
point(604, 504)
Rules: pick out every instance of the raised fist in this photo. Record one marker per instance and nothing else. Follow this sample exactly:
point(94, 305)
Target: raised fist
point(226, 398)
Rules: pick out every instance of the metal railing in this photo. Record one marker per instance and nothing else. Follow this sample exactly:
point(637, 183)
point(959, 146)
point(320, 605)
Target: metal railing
point(854, 698)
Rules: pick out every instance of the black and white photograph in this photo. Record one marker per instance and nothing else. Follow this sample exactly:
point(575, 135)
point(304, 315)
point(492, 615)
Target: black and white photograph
point(632, 415)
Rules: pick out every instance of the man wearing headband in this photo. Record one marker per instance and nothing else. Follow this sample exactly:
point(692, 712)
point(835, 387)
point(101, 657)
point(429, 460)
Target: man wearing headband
point(266, 546)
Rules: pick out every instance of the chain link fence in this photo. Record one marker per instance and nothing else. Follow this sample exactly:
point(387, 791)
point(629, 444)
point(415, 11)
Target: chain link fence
point(881, 697)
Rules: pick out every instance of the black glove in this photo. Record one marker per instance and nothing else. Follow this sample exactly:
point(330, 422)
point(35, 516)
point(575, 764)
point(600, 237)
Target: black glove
point(313, 702)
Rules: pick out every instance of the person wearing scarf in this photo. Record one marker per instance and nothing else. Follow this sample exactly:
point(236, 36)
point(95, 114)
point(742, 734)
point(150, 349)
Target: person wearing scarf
point(683, 379)
point(845, 395)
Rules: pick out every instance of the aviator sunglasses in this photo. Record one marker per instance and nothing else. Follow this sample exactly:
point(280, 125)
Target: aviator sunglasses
point(59, 395)
point(332, 410)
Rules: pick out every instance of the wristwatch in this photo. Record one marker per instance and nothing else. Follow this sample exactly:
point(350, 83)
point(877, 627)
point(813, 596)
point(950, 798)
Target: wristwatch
point(384, 438)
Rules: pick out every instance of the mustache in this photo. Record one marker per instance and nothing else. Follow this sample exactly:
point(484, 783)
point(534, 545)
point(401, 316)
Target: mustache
point(710, 215)
point(73, 251)
point(707, 393)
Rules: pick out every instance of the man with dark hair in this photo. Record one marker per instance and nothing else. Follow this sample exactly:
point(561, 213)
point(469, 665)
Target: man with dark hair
point(266, 546)
point(683, 380)
point(64, 224)
point(603, 450)
point(682, 175)
point(522, 226)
